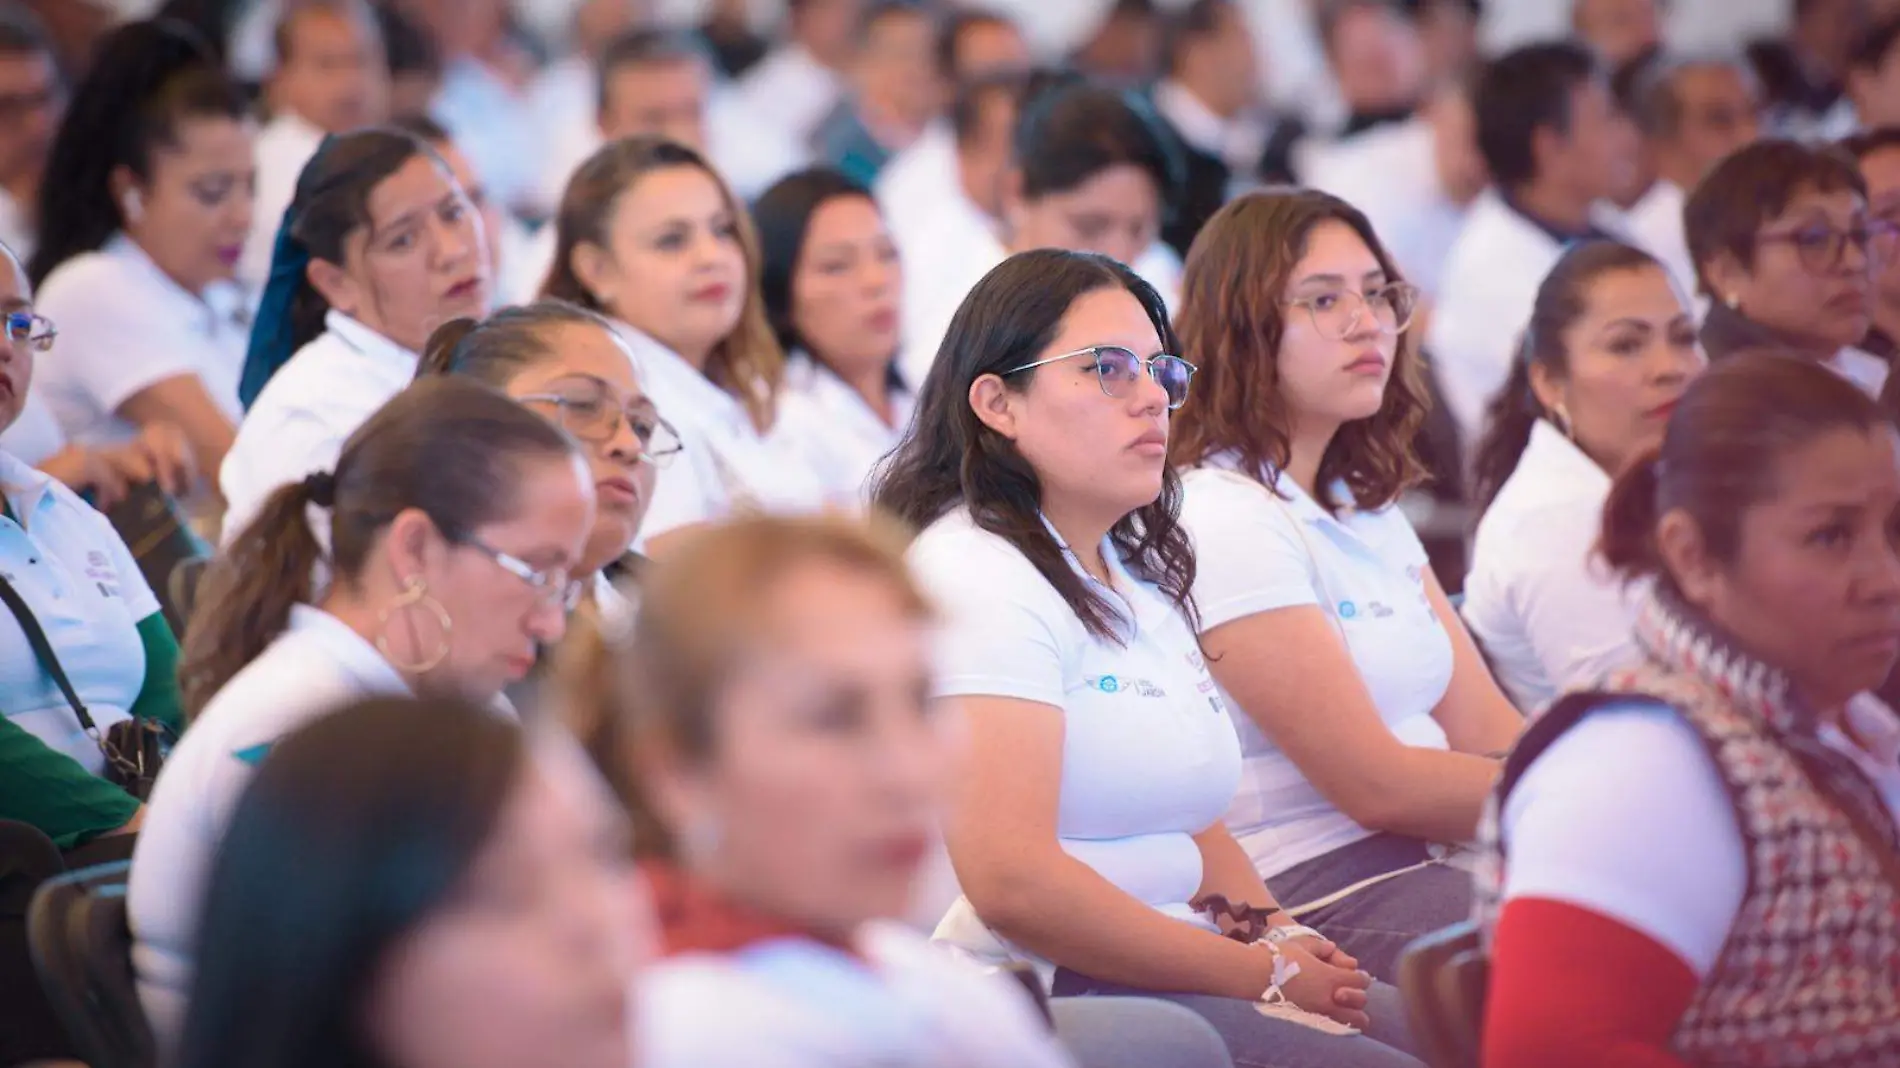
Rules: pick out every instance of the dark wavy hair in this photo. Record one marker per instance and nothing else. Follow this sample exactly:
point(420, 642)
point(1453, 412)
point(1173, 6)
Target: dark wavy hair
point(951, 458)
point(1233, 317)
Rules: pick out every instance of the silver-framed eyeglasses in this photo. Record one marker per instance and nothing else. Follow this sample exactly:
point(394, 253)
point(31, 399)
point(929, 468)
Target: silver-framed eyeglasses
point(1337, 314)
point(552, 585)
point(34, 331)
point(1118, 370)
point(589, 409)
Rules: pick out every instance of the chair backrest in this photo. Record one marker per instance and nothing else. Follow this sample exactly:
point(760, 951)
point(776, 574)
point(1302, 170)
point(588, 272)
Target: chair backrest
point(82, 949)
point(1442, 977)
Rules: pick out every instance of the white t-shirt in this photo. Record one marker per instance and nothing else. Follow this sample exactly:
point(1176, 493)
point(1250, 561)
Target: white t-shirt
point(806, 1005)
point(1390, 172)
point(792, 90)
point(1655, 222)
point(836, 430)
point(284, 145)
point(1865, 370)
point(1549, 614)
point(1258, 553)
point(125, 325)
point(727, 466)
point(1149, 756)
point(316, 666)
point(307, 410)
point(86, 592)
point(1625, 815)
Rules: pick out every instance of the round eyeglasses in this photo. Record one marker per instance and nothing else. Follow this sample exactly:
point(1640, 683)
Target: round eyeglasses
point(589, 409)
point(1823, 249)
point(1118, 370)
point(1338, 314)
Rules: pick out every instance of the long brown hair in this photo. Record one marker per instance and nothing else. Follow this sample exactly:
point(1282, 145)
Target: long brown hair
point(951, 458)
point(447, 445)
point(1233, 317)
point(746, 363)
point(631, 692)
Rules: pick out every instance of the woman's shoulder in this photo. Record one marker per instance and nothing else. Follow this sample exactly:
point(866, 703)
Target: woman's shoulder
point(83, 274)
point(295, 678)
point(959, 561)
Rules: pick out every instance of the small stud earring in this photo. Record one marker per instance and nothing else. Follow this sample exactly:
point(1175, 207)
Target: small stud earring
point(1734, 302)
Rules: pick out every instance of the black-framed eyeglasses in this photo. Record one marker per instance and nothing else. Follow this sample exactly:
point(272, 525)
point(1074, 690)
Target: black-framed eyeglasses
point(1822, 249)
point(1118, 370)
point(588, 408)
point(34, 331)
point(1336, 314)
point(552, 585)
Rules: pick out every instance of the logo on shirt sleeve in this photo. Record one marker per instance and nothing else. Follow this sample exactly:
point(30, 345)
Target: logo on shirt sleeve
point(101, 573)
point(1121, 684)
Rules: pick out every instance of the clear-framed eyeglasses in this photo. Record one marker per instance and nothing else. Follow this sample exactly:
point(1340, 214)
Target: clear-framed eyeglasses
point(590, 410)
point(553, 585)
point(1823, 250)
point(34, 331)
point(1118, 370)
point(1338, 314)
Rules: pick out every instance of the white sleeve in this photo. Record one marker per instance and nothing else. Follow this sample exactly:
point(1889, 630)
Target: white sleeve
point(683, 494)
point(264, 458)
point(1002, 623)
point(1577, 615)
point(1625, 816)
point(117, 340)
point(1249, 554)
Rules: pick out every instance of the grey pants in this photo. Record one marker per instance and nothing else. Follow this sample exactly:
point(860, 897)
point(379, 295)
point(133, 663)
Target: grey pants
point(1377, 923)
point(1136, 1033)
point(1256, 1041)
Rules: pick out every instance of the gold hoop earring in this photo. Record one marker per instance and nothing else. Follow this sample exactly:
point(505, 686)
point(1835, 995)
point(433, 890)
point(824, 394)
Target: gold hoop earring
point(1733, 302)
point(415, 594)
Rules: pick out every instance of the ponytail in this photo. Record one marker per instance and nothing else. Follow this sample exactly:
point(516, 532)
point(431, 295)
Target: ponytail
point(1508, 422)
point(248, 591)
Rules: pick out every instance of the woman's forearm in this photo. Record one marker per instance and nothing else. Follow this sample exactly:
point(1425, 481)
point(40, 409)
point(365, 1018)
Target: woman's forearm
point(1434, 794)
point(1060, 909)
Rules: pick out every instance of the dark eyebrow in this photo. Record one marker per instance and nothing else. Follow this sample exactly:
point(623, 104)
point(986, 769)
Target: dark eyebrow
point(15, 304)
point(1376, 275)
point(1631, 320)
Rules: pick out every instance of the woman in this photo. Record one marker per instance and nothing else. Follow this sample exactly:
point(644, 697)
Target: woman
point(79, 585)
point(650, 236)
point(456, 518)
point(1728, 895)
point(1610, 347)
point(1091, 169)
point(1039, 465)
point(831, 286)
point(379, 247)
point(785, 804)
point(1368, 720)
point(568, 364)
point(1784, 248)
point(144, 209)
point(462, 897)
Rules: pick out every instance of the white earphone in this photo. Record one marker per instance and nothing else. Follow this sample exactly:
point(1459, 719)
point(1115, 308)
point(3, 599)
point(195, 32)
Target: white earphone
point(133, 205)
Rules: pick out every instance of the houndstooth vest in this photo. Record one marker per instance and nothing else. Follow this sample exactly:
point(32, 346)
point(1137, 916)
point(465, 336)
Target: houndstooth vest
point(1810, 974)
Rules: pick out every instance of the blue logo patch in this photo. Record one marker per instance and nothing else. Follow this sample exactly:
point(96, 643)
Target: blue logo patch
point(1347, 610)
point(1109, 684)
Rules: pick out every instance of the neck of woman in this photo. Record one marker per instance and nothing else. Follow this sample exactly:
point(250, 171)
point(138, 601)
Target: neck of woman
point(1083, 532)
point(370, 623)
point(1306, 449)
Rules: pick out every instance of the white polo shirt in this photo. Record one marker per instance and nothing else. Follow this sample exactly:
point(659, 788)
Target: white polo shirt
point(1149, 756)
point(307, 410)
point(1549, 614)
point(125, 325)
point(283, 146)
point(1258, 553)
point(1655, 221)
point(1625, 815)
point(728, 466)
point(317, 665)
point(836, 430)
point(71, 568)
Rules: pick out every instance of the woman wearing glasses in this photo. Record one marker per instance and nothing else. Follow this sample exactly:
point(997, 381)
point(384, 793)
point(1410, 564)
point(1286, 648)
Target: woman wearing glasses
point(1785, 249)
point(568, 364)
point(1610, 348)
point(456, 520)
point(649, 235)
point(379, 247)
point(1086, 829)
point(1365, 712)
